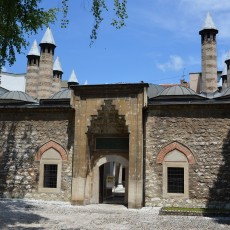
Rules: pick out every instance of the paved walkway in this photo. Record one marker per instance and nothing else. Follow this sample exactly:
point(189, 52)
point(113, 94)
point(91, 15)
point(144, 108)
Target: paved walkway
point(24, 214)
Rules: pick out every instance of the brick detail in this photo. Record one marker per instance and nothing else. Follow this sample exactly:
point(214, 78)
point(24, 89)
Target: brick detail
point(175, 145)
point(54, 145)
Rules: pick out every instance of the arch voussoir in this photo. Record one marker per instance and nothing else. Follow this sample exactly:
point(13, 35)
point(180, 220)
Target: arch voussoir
point(54, 145)
point(175, 145)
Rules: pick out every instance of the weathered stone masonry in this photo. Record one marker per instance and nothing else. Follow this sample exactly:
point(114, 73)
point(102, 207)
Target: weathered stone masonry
point(205, 131)
point(23, 132)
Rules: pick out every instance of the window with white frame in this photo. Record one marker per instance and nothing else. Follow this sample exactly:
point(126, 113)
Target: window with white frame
point(175, 175)
point(50, 171)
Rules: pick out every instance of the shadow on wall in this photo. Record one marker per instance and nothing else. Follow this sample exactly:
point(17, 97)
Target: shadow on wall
point(14, 163)
point(16, 214)
point(219, 193)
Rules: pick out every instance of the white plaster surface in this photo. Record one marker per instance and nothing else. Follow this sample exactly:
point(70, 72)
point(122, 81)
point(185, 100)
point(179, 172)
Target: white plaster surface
point(13, 82)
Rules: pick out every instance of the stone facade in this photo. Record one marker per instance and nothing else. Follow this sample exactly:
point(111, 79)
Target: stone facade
point(204, 130)
point(156, 137)
point(108, 111)
point(22, 135)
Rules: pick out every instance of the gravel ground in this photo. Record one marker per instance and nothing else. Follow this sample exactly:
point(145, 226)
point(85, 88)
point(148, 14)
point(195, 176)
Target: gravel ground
point(28, 214)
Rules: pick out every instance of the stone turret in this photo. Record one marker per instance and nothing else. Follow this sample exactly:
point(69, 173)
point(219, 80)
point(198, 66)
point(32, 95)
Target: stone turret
point(209, 66)
point(57, 76)
point(47, 45)
point(32, 74)
point(73, 79)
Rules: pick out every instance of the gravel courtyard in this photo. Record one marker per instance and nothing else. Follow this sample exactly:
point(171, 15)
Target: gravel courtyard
point(25, 214)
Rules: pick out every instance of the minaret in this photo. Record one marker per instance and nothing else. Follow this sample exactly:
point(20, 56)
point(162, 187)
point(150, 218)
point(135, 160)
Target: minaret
point(57, 76)
point(73, 79)
point(32, 73)
point(227, 61)
point(209, 66)
point(47, 45)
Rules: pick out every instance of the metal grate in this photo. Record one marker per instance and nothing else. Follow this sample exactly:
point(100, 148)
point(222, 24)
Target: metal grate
point(175, 180)
point(50, 176)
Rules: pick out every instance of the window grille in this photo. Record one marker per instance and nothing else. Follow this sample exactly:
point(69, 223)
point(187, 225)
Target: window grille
point(175, 180)
point(50, 176)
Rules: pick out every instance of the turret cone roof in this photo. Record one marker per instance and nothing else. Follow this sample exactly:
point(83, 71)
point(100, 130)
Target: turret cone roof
point(73, 77)
point(208, 23)
point(48, 37)
point(34, 50)
point(57, 65)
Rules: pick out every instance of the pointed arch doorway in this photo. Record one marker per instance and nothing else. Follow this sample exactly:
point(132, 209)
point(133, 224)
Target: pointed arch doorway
point(106, 169)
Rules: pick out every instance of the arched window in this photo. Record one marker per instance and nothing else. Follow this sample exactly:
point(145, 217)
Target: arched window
point(175, 174)
point(50, 156)
point(175, 159)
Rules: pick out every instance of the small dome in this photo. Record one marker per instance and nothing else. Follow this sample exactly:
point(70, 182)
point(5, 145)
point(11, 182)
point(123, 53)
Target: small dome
point(3, 90)
point(154, 90)
point(177, 91)
point(210, 95)
point(63, 94)
point(17, 96)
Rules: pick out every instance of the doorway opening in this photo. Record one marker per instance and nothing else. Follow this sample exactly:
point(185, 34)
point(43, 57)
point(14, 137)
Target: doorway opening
point(113, 183)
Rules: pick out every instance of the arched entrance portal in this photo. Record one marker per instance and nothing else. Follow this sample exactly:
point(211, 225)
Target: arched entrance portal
point(110, 180)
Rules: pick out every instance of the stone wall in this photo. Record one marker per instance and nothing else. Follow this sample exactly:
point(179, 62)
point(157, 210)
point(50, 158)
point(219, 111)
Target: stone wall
point(205, 131)
point(22, 133)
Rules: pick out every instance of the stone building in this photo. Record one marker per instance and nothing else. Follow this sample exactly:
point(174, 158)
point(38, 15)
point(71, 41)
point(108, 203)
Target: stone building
point(138, 144)
point(43, 78)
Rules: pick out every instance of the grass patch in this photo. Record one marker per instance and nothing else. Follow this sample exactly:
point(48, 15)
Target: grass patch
point(195, 210)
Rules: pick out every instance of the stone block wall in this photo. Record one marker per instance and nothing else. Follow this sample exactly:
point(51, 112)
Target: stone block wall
point(205, 131)
point(22, 133)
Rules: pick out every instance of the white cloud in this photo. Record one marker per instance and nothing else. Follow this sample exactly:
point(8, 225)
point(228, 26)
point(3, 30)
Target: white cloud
point(204, 6)
point(175, 63)
point(184, 17)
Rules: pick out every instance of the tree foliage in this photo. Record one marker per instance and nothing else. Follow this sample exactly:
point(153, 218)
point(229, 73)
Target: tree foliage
point(118, 21)
point(17, 19)
point(21, 18)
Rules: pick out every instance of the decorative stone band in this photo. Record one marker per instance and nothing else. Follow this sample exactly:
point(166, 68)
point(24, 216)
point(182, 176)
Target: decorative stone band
point(54, 145)
point(175, 145)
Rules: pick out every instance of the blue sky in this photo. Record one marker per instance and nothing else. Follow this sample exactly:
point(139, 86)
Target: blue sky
point(160, 41)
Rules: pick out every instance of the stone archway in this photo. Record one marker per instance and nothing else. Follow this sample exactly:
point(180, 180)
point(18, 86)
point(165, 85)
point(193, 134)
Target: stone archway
point(104, 113)
point(95, 175)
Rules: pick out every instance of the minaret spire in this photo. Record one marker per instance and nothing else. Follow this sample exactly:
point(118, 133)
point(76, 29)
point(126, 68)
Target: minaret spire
point(57, 76)
point(209, 65)
point(208, 23)
point(32, 74)
point(47, 45)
